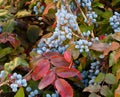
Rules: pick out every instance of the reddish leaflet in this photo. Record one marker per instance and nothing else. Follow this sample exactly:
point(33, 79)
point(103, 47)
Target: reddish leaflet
point(11, 38)
point(52, 68)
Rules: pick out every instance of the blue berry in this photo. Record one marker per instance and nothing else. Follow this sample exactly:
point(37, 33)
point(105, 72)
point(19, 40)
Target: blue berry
point(115, 22)
point(35, 92)
point(28, 89)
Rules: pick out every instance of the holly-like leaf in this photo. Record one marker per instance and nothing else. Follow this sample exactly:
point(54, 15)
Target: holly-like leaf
point(68, 56)
point(112, 47)
point(92, 88)
point(9, 26)
point(47, 80)
point(117, 91)
point(20, 93)
point(106, 92)
point(66, 72)
point(41, 69)
point(11, 38)
point(110, 78)
point(63, 88)
point(99, 46)
point(100, 77)
point(5, 51)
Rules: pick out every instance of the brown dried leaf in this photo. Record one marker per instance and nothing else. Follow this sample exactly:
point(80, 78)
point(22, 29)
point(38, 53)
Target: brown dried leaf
point(112, 47)
point(117, 55)
point(116, 36)
point(117, 92)
point(99, 46)
point(92, 88)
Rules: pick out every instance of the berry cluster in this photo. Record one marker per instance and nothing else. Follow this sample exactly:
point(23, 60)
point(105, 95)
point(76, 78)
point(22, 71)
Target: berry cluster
point(38, 8)
point(84, 80)
point(73, 6)
point(53, 95)
point(91, 16)
point(32, 93)
point(86, 34)
point(66, 24)
point(86, 3)
point(93, 72)
point(83, 45)
point(17, 81)
point(88, 76)
point(95, 39)
point(115, 22)
point(2, 73)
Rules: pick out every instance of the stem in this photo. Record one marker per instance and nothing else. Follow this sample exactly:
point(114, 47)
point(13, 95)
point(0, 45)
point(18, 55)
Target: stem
point(68, 8)
point(3, 83)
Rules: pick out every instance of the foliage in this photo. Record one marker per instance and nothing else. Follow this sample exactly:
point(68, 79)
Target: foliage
point(62, 48)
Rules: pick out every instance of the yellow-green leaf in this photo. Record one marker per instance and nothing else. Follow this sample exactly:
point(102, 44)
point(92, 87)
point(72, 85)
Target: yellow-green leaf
point(5, 51)
point(9, 67)
point(20, 93)
point(23, 13)
point(100, 77)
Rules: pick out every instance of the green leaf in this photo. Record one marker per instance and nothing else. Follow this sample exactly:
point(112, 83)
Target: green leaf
point(105, 91)
point(20, 93)
point(33, 33)
point(100, 77)
point(114, 2)
point(98, 4)
point(110, 78)
point(9, 67)
point(116, 67)
point(5, 51)
point(9, 26)
point(107, 14)
point(111, 59)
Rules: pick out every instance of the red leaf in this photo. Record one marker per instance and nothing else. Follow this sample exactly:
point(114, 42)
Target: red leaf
point(47, 80)
point(50, 54)
point(49, 6)
point(11, 38)
point(63, 88)
point(58, 60)
point(68, 56)
point(41, 69)
point(66, 72)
